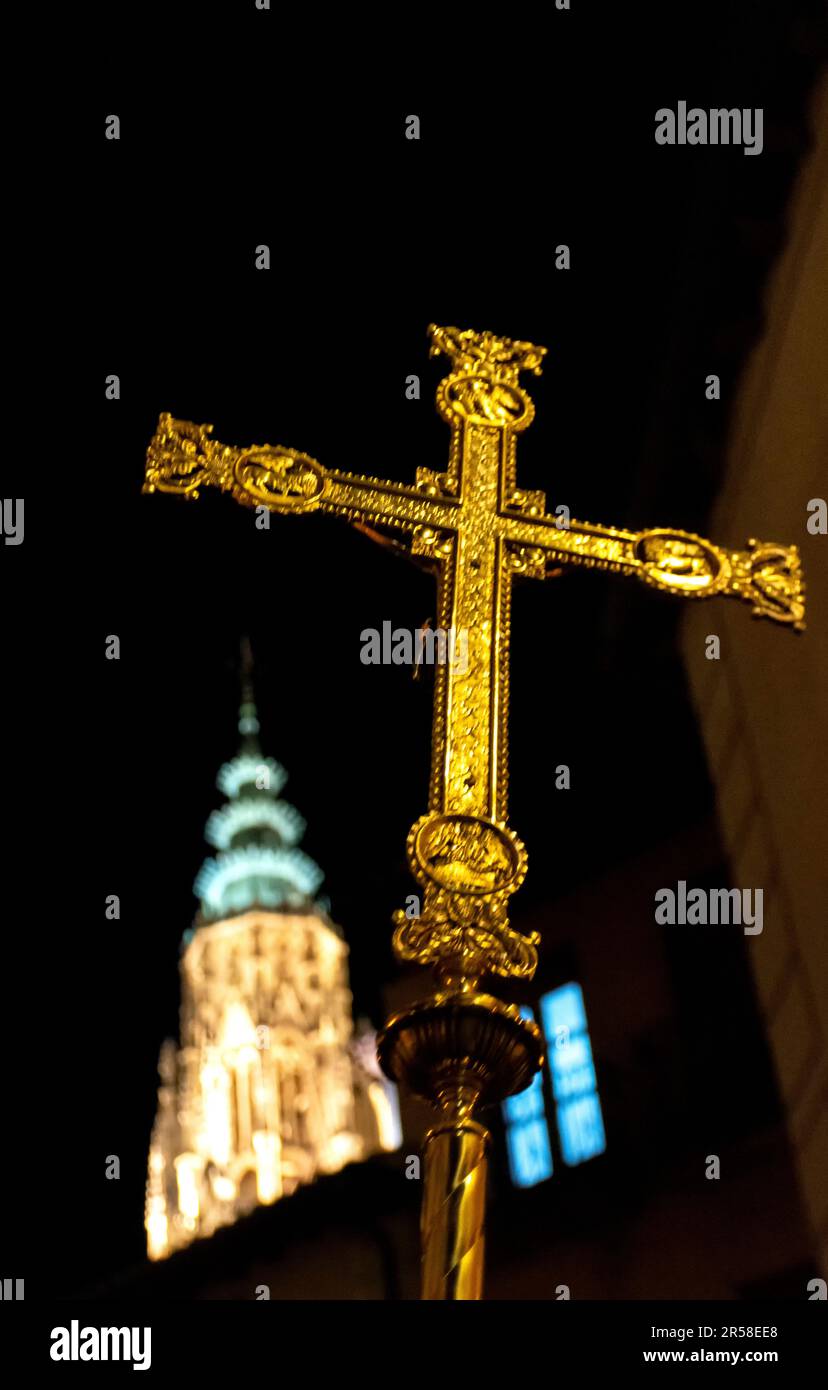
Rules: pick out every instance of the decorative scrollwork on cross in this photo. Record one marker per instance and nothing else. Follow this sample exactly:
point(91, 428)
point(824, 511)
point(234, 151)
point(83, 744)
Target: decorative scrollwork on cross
point(478, 531)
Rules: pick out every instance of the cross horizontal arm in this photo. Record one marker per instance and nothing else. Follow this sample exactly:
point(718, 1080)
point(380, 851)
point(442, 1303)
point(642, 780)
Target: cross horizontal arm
point(183, 458)
point(766, 575)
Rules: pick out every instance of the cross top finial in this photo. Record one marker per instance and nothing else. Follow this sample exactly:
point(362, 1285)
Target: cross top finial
point(486, 353)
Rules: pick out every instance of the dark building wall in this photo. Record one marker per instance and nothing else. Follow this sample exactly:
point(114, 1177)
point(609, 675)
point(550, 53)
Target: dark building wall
point(762, 705)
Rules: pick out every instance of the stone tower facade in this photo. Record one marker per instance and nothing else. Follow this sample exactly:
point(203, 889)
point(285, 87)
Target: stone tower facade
point(268, 1088)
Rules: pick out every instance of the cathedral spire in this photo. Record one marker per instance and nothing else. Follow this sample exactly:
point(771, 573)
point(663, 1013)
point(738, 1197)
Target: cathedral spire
point(258, 864)
point(248, 713)
point(268, 1089)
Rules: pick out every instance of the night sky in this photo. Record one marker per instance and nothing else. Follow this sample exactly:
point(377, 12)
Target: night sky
point(372, 237)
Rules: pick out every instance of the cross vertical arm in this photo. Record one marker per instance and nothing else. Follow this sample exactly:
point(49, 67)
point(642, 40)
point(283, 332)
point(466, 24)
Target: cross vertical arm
point(462, 851)
point(471, 688)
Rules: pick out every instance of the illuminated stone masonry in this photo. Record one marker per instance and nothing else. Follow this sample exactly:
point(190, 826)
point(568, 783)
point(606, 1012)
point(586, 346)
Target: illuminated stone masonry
point(269, 1088)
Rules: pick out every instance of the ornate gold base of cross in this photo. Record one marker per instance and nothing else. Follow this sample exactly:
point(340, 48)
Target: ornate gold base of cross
point(476, 529)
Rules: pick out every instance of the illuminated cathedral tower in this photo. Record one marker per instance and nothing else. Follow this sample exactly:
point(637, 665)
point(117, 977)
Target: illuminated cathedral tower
point(268, 1088)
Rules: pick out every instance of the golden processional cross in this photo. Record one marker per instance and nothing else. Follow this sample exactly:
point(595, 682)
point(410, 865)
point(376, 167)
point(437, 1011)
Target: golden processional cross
point(476, 529)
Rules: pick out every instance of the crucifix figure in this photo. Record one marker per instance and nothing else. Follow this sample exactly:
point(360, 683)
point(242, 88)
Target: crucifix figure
point(476, 528)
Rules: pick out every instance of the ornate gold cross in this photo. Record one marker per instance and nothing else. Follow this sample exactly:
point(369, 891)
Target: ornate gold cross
point(476, 529)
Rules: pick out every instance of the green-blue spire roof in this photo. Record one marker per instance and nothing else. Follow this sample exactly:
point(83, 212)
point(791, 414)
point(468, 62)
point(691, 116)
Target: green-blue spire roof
point(256, 834)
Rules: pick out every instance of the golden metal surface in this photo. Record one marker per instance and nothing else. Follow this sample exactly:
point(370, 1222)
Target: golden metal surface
point(476, 529)
point(460, 1050)
point(453, 1211)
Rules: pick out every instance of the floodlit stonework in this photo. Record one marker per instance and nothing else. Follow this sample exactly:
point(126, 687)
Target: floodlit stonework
point(268, 1088)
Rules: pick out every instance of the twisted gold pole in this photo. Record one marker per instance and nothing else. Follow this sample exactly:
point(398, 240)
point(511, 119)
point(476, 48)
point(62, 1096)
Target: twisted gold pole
point(460, 1050)
point(454, 1210)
